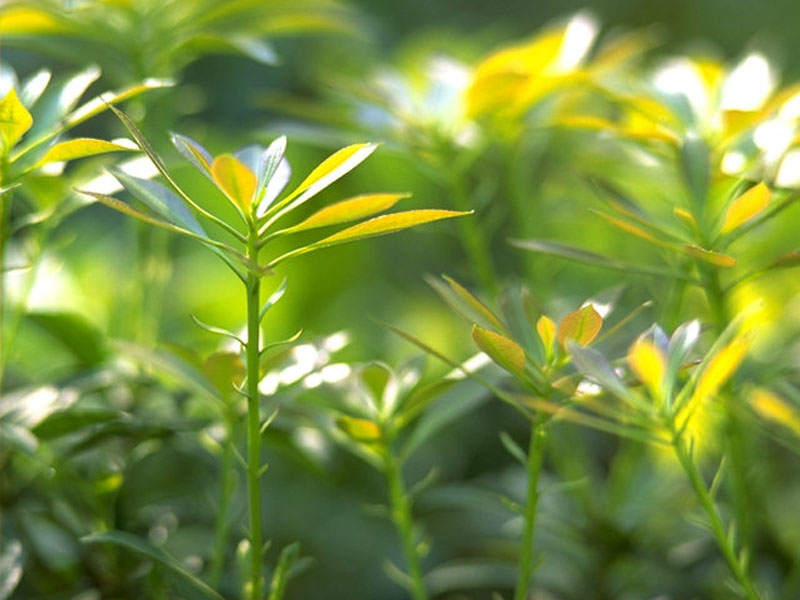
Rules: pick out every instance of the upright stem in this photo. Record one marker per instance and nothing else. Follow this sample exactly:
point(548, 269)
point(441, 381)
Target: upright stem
point(401, 517)
point(226, 488)
point(4, 200)
point(534, 467)
point(724, 541)
point(253, 286)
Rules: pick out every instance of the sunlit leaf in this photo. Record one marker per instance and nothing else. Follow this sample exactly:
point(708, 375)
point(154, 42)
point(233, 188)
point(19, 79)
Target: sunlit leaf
point(235, 180)
point(348, 210)
point(11, 564)
point(193, 152)
point(746, 206)
point(594, 365)
point(648, 364)
point(198, 588)
point(25, 20)
point(715, 258)
point(474, 303)
point(15, 120)
point(502, 350)
point(685, 217)
point(580, 326)
point(718, 370)
point(772, 407)
point(361, 430)
point(546, 328)
point(80, 148)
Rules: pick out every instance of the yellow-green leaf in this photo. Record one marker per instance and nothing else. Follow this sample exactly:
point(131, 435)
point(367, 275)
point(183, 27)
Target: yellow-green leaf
point(235, 180)
point(360, 430)
point(581, 326)
point(81, 147)
point(348, 210)
point(15, 120)
point(773, 408)
point(476, 304)
point(505, 352)
point(715, 258)
point(746, 206)
point(648, 364)
point(628, 227)
point(546, 328)
point(719, 370)
point(685, 216)
point(26, 21)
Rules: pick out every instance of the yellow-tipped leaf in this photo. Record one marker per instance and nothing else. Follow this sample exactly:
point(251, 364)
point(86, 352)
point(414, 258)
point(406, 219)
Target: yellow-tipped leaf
point(348, 210)
point(505, 352)
point(746, 206)
point(235, 180)
point(648, 364)
point(82, 147)
point(581, 326)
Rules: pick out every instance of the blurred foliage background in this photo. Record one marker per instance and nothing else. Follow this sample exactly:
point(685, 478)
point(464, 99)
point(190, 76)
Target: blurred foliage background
point(98, 320)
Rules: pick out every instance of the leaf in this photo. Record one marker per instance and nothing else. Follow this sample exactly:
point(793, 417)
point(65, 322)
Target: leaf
point(774, 408)
point(11, 563)
point(592, 364)
point(160, 200)
point(787, 261)
point(80, 337)
point(283, 571)
point(107, 100)
point(15, 120)
point(505, 352)
point(715, 258)
point(581, 326)
point(474, 303)
point(271, 160)
point(351, 209)
point(360, 430)
point(274, 298)
point(374, 227)
point(65, 422)
point(198, 588)
point(648, 364)
point(592, 258)
point(694, 156)
point(235, 180)
point(718, 370)
point(195, 153)
point(746, 206)
point(80, 148)
point(546, 328)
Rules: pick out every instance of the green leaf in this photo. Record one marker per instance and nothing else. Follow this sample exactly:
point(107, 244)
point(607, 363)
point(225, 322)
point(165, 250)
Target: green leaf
point(271, 159)
point(160, 200)
point(513, 448)
point(580, 326)
point(505, 352)
point(475, 304)
point(15, 120)
point(376, 226)
point(195, 153)
point(591, 258)
point(360, 430)
point(351, 209)
point(715, 258)
point(235, 180)
point(199, 589)
point(80, 337)
point(592, 364)
point(11, 563)
point(274, 298)
point(107, 100)
point(65, 422)
point(80, 148)
point(283, 571)
point(694, 157)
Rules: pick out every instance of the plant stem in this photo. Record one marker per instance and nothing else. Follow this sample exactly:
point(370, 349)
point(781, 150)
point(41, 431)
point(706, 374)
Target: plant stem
point(4, 212)
point(253, 287)
point(724, 541)
point(227, 485)
point(401, 517)
point(534, 467)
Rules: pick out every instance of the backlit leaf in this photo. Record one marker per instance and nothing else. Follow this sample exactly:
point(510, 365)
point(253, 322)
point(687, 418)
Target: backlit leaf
point(235, 180)
point(774, 408)
point(505, 352)
point(719, 370)
point(195, 153)
point(474, 303)
point(80, 148)
point(546, 328)
point(746, 206)
point(15, 120)
point(715, 258)
point(348, 210)
point(360, 430)
point(581, 326)
point(648, 364)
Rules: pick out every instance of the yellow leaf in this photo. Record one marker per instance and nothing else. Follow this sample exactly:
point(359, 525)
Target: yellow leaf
point(719, 370)
point(15, 120)
point(684, 215)
point(331, 169)
point(505, 352)
point(629, 227)
point(235, 180)
point(361, 430)
point(582, 326)
point(81, 147)
point(27, 20)
point(546, 329)
point(348, 210)
point(648, 364)
point(476, 304)
point(709, 256)
point(770, 406)
point(746, 206)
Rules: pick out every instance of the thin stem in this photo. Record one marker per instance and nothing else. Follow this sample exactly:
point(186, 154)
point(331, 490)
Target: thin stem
point(253, 287)
point(4, 212)
point(401, 517)
point(226, 488)
point(724, 541)
point(534, 467)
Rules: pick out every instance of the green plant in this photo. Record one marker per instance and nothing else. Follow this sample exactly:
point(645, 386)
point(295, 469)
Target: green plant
point(252, 180)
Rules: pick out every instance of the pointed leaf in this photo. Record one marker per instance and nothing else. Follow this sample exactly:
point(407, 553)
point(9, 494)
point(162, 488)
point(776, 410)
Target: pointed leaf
point(283, 572)
point(648, 364)
point(474, 303)
point(80, 148)
point(718, 370)
point(746, 206)
point(787, 261)
point(581, 326)
point(198, 588)
point(772, 407)
point(271, 161)
point(12, 559)
point(715, 258)
point(236, 181)
point(360, 430)
point(546, 328)
point(273, 298)
point(332, 168)
point(15, 120)
point(505, 352)
point(351, 209)
point(594, 365)
point(109, 99)
point(195, 153)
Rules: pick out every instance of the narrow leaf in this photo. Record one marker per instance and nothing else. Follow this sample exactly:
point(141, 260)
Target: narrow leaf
point(581, 326)
point(505, 352)
point(648, 364)
point(746, 206)
point(546, 328)
point(235, 180)
point(351, 209)
point(719, 370)
point(774, 408)
point(218, 330)
point(715, 258)
point(80, 148)
point(195, 153)
point(273, 298)
point(474, 303)
point(592, 364)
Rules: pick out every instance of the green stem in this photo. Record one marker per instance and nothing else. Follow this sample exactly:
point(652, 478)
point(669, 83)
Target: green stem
point(724, 541)
point(4, 212)
point(253, 287)
point(226, 488)
point(534, 467)
point(401, 517)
